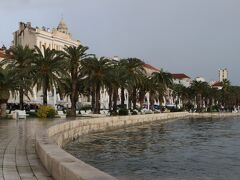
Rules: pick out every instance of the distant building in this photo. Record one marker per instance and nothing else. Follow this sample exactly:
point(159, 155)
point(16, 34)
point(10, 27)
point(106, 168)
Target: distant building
point(223, 74)
point(200, 79)
point(182, 79)
point(3, 53)
point(56, 38)
point(150, 69)
point(217, 85)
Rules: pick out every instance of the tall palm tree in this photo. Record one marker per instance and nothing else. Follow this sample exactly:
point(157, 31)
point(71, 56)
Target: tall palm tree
point(19, 61)
point(48, 67)
point(225, 91)
point(199, 88)
point(132, 69)
point(7, 84)
point(162, 80)
point(112, 85)
point(144, 87)
point(73, 56)
point(96, 71)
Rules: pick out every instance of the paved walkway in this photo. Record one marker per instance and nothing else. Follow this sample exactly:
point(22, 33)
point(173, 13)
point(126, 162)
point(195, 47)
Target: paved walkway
point(18, 159)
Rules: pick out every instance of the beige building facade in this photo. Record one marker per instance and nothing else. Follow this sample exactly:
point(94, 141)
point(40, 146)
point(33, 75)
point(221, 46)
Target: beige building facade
point(56, 38)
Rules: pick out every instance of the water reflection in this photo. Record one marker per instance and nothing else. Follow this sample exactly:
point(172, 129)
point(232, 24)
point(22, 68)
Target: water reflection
point(184, 149)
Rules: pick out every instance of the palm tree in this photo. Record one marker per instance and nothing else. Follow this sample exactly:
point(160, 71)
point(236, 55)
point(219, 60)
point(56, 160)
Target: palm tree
point(19, 62)
point(132, 69)
point(144, 87)
point(225, 91)
point(48, 67)
point(199, 89)
point(73, 57)
point(112, 85)
point(7, 85)
point(96, 71)
point(163, 81)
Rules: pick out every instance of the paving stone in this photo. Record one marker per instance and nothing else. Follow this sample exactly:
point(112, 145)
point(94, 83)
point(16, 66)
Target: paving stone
point(18, 158)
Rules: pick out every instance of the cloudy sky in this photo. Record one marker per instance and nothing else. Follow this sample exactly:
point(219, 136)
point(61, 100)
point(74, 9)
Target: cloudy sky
point(196, 37)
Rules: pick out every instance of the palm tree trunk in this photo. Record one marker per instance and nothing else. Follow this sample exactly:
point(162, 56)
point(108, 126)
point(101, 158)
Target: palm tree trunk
point(73, 105)
point(151, 101)
point(115, 96)
point(160, 99)
point(122, 97)
point(45, 83)
point(93, 94)
point(134, 98)
point(129, 101)
point(74, 95)
point(21, 99)
point(141, 98)
point(97, 99)
point(110, 93)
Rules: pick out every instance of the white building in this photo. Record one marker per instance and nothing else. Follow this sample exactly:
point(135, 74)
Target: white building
point(2, 53)
point(57, 38)
point(223, 74)
point(200, 79)
point(182, 79)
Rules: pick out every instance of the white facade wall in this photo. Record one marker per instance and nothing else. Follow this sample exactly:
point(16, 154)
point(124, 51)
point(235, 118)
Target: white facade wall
point(223, 74)
point(185, 82)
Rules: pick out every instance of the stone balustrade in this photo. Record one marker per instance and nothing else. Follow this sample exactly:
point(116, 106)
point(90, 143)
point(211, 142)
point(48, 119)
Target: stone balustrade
point(63, 166)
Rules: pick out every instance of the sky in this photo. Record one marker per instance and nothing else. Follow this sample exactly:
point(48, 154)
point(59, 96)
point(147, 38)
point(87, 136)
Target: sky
point(195, 37)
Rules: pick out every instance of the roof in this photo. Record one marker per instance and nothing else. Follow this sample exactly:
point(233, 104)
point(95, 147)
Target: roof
point(62, 27)
point(148, 66)
point(180, 76)
point(217, 84)
point(2, 55)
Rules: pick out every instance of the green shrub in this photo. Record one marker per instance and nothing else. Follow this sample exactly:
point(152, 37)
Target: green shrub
point(32, 114)
point(123, 112)
point(113, 113)
point(46, 112)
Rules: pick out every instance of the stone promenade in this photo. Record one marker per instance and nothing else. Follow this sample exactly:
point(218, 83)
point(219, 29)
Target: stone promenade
point(18, 158)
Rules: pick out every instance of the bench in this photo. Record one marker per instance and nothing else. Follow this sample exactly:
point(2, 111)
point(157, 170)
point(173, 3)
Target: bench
point(18, 114)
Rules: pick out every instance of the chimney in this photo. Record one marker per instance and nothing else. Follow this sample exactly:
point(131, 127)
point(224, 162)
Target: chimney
point(22, 26)
point(29, 24)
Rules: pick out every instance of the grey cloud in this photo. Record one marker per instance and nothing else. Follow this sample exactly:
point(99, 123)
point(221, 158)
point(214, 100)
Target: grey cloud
point(192, 36)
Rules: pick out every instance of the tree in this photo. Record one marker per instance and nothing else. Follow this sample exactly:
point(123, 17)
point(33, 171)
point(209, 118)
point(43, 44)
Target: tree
point(19, 62)
point(162, 81)
point(145, 86)
point(73, 57)
point(48, 67)
point(112, 84)
point(7, 85)
point(96, 72)
point(199, 88)
point(132, 69)
point(225, 91)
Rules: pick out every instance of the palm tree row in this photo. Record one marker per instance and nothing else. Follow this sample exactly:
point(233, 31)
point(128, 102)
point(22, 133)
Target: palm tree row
point(74, 72)
point(202, 97)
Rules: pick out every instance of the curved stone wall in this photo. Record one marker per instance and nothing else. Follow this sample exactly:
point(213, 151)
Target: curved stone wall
point(63, 166)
